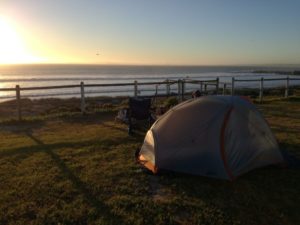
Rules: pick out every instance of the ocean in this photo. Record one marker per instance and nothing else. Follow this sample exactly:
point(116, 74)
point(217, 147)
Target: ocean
point(52, 75)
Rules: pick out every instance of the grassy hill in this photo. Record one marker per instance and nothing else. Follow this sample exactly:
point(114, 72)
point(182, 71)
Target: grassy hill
point(74, 169)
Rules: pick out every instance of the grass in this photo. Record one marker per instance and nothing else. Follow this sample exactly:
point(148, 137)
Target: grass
point(80, 170)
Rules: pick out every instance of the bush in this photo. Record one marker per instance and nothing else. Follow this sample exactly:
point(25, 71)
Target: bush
point(170, 102)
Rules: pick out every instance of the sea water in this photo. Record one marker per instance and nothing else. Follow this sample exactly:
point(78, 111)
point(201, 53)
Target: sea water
point(56, 75)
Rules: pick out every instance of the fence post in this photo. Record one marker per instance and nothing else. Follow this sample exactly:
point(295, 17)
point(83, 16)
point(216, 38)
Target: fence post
point(135, 89)
point(217, 85)
point(286, 94)
point(18, 98)
point(232, 86)
point(156, 90)
point(179, 90)
point(168, 87)
point(82, 105)
point(183, 89)
point(224, 89)
point(205, 88)
point(201, 86)
point(261, 90)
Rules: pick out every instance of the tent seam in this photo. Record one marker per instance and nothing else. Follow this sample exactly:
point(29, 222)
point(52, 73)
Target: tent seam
point(222, 144)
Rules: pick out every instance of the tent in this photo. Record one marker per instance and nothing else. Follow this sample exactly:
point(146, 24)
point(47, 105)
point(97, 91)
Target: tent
point(214, 136)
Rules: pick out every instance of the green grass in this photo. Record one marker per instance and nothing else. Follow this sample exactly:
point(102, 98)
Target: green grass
point(80, 170)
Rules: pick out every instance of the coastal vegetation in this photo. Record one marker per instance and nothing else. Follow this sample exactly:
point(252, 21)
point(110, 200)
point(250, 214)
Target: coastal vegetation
point(66, 168)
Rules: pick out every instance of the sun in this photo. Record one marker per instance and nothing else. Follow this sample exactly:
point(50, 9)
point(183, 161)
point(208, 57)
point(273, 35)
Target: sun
point(12, 48)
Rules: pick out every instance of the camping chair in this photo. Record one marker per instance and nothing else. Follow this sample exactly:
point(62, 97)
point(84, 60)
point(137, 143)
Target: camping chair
point(139, 109)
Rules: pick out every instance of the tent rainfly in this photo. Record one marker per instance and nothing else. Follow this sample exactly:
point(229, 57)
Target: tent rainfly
point(214, 136)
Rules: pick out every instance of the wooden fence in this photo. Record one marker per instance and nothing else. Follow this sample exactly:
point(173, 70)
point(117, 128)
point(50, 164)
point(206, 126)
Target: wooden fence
point(201, 85)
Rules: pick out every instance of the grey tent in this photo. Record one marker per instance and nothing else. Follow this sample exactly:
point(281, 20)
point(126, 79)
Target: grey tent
point(215, 136)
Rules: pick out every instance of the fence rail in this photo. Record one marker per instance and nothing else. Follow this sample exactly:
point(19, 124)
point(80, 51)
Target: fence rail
point(181, 87)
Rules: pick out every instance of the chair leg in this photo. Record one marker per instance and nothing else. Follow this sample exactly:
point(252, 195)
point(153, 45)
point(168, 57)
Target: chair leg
point(151, 121)
point(130, 130)
point(129, 126)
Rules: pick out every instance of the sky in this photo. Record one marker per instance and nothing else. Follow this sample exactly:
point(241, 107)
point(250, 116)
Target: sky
point(152, 32)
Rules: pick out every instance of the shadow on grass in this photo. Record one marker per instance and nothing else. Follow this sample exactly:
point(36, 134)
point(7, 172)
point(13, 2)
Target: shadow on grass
point(249, 193)
point(101, 209)
point(89, 118)
point(21, 126)
point(43, 147)
point(107, 119)
point(294, 99)
point(289, 130)
point(292, 160)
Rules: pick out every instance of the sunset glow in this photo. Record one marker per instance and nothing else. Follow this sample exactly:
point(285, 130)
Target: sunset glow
point(12, 47)
point(149, 32)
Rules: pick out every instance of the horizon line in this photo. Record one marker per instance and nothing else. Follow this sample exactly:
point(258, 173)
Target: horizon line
point(173, 65)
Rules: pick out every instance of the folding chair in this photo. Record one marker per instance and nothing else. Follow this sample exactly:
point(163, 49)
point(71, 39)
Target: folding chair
point(139, 109)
